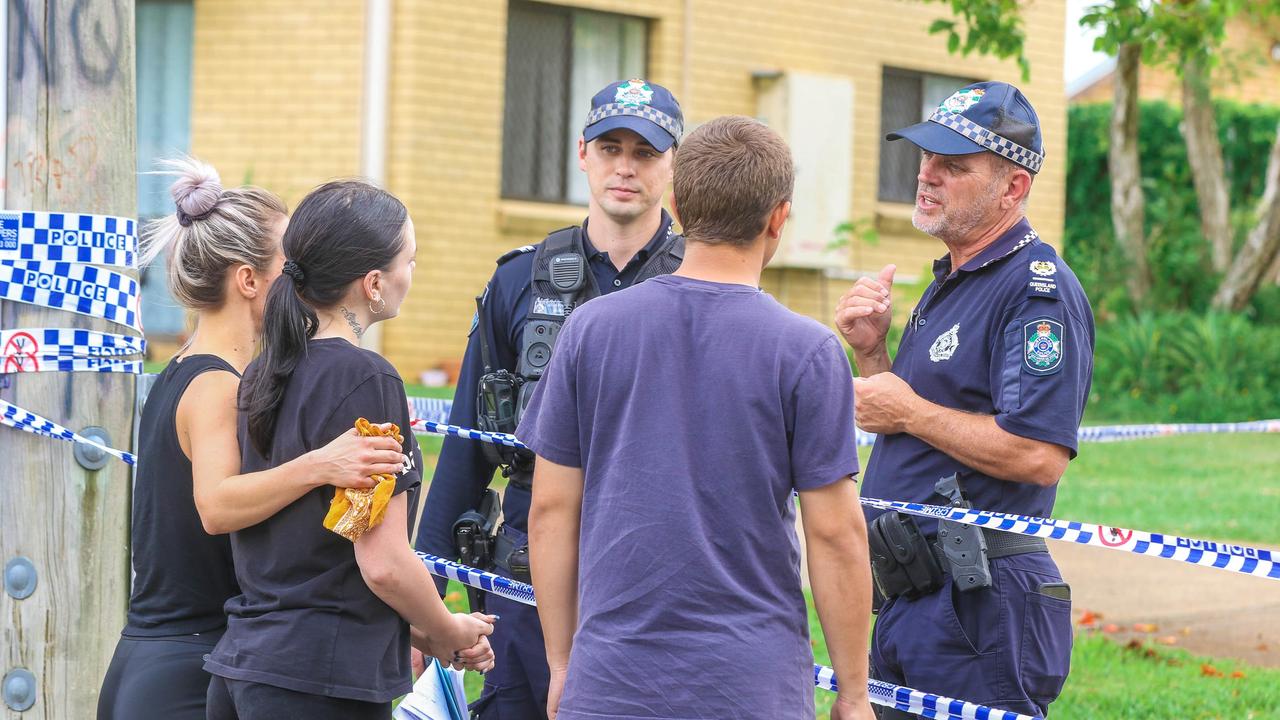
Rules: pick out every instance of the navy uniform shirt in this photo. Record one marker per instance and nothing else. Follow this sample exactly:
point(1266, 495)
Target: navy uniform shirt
point(463, 472)
point(1009, 334)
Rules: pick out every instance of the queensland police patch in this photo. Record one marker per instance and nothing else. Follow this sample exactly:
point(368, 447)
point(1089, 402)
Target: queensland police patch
point(1042, 350)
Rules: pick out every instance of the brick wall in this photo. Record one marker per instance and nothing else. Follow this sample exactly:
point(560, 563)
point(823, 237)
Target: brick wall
point(282, 96)
point(276, 91)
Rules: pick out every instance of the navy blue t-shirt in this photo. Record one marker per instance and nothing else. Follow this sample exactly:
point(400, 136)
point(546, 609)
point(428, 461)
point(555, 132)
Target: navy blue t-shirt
point(694, 409)
point(1009, 334)
point(306, 620)
point(463, 472)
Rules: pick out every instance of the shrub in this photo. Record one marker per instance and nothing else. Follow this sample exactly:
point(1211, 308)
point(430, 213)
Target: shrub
point(1186, 367)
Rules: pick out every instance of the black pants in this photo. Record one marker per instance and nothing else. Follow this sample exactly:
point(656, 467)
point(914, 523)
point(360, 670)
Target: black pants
point(159, 677)
point(240, 700)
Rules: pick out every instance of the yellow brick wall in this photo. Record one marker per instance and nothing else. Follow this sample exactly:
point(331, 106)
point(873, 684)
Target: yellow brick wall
point(276, 91)
point(445, 151)
point(1248, 73)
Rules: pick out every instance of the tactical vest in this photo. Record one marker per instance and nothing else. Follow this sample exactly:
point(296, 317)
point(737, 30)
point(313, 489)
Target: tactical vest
point(550, 305)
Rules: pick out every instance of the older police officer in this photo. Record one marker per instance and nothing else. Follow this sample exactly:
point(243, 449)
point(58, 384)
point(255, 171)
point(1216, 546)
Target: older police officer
point(980, 406)
point(627, 148)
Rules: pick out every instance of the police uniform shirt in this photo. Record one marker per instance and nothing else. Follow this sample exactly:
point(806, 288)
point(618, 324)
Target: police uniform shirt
point(1009, 334)
point(463, 472)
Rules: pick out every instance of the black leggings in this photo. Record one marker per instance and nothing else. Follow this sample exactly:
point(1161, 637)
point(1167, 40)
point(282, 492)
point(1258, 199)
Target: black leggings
point(159, 677)
point(240, 700)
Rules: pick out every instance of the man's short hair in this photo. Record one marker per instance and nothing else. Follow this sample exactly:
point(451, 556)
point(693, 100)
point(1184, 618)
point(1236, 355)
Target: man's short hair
point(730, 173)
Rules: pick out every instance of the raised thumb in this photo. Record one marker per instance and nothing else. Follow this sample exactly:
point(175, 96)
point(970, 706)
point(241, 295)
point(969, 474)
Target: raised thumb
point(886, 276)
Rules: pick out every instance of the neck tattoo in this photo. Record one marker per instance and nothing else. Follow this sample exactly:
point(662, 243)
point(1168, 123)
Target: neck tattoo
point(351, 320)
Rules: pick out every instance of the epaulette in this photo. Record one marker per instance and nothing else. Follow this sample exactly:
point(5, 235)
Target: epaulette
point(1042, 272)
point(517, 252)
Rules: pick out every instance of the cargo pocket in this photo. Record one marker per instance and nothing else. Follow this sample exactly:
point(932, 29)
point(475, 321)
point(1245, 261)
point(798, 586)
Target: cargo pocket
point(1046, 647)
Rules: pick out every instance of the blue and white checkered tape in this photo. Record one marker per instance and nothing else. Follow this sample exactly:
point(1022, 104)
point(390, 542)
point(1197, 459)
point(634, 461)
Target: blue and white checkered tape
point(57, 363)
point(1206, 553)
point(68, 342)
point(888, 694)
point(27, 421)
point(69, 237)
point(988, 139)
point(83, 289)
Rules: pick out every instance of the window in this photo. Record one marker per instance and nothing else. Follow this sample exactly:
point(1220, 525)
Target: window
point(906, 98)
point(164, 40)
point(557, 58)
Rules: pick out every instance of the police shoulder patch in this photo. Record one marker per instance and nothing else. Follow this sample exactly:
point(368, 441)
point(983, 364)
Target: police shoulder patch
point(516, 253)
point(1043, 341)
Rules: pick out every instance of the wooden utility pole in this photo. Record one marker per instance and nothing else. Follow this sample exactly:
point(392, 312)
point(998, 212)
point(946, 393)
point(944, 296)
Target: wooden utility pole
point(69, 147)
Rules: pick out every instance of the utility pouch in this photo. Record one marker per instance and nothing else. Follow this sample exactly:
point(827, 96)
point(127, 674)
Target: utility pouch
point(902, 560)
point(511, 553)
point(964, 547)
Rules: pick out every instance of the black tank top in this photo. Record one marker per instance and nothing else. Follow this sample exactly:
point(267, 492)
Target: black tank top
point(182, 575)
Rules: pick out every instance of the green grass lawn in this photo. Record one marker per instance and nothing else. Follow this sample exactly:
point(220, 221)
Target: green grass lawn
point(1224, 487)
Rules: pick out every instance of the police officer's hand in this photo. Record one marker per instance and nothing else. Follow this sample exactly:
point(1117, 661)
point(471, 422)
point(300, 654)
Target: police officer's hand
point(850, 708)
point(350, 459)
point(883, 403)
point(864, 312)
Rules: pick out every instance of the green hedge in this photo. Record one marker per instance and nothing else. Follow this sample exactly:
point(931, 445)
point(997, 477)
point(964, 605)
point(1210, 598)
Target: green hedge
point(1186, 367)
point(1179, 256)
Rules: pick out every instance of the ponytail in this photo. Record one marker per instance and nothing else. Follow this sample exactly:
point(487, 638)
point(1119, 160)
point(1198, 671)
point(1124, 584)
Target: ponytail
point(340, 232)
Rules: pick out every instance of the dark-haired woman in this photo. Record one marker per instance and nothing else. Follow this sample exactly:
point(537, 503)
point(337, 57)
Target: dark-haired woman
point(223, 250)
point(320, 630)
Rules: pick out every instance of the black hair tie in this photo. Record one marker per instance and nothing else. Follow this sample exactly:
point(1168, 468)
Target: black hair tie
point(295, 273)
point(185, 220)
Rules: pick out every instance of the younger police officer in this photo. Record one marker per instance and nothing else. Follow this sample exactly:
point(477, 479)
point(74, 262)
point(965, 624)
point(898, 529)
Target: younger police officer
point(626, 150)
point(987, 389)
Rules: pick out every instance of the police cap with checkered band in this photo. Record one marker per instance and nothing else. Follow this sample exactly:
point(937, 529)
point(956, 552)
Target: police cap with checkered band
point(992, 116)
point(645, 108)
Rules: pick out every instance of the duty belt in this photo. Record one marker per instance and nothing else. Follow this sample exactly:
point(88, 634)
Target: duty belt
point(999, 544)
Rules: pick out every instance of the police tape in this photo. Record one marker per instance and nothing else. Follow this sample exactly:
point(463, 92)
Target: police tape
point(917, 702)
point(437, 410)
point(83, 289)
point(69, 237)
point(456, 431)
point(58, 363)
point(27, 421)
point(1206, 553)
point(68, 342)
point(881, 693)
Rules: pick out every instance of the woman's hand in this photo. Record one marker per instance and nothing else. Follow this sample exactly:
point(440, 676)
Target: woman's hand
point(349, 460)
point(463, 644)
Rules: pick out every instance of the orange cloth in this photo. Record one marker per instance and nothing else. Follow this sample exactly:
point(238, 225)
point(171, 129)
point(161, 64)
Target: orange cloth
point(353, 512)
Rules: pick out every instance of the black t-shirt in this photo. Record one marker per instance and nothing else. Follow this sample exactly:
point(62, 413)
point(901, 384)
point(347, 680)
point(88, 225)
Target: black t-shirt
point(182, 575)
point(306, 620)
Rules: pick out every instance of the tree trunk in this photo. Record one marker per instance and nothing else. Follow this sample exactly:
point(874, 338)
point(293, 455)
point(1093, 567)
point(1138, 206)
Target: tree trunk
point(1261, 247)
point(1128, 212)
point(69, 140)
point(1204, 153)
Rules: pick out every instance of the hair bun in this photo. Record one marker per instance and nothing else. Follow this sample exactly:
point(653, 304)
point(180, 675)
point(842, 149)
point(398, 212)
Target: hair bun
point(198, 188)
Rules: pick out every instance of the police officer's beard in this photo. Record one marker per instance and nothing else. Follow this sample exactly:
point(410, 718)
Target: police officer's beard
point(956, 222)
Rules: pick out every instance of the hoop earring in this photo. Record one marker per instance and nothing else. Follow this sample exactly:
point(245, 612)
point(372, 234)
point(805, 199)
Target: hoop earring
point(382, 305)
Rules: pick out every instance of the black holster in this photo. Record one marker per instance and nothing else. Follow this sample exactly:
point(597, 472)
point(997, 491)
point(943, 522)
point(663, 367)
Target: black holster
point(902, 558)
